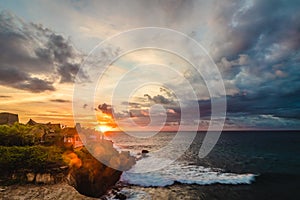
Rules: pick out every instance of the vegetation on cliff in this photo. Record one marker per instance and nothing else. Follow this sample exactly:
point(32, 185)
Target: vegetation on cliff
point(21, 149)
point(34, 158)
point(24, 151)
point(25, 135)
point(17, 135)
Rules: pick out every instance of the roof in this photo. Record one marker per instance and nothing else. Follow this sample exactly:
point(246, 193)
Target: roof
point(70, 131)
point(31, 122)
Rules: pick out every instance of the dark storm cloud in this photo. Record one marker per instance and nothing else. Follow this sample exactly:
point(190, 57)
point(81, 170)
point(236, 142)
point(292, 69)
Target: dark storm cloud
point(33, 57)
point(159, 99)
point(106, 108)
point(255, 25)
point(20, 80)
point(168, 100)
point(267, 32)
point(68, 72)
point(281, 106)
point(259, 56)
point(255, 44)
point(285, 105)
point(63, 54)
point(35, 85)
point(140, 108)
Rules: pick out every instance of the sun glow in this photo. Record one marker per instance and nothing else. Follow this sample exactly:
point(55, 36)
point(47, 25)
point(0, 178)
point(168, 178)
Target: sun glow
point(105, 122)
point(103, 128)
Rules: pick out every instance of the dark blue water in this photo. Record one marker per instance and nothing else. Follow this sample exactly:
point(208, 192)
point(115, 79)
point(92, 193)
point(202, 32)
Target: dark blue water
point(256, 152)
point(274, 156)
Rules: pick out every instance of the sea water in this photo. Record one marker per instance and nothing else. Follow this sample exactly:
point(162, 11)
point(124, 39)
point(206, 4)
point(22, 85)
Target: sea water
point(243, 164)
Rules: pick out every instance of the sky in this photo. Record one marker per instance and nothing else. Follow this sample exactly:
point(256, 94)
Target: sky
point(255, 45)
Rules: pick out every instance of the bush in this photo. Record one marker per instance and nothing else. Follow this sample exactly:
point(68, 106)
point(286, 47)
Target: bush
point(17, 134)
point(33, 158)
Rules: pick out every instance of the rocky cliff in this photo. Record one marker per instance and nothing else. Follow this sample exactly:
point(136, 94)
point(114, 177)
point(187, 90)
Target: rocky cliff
point(91, 177)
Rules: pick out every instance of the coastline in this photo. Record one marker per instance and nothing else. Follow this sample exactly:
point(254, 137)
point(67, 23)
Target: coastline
point(266, 186)
point(274, 180)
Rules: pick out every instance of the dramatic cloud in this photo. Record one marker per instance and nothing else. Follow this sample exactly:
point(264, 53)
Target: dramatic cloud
point(33, 57)
point(21, 80)
point(139, 108)
point(159, 99)
point(255, 44)
point(105, 108)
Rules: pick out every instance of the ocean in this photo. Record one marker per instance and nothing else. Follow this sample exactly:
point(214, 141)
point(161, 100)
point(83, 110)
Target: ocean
point(242, 165)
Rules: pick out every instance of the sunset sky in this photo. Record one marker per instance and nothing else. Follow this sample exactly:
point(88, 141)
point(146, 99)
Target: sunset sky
point(255, 44)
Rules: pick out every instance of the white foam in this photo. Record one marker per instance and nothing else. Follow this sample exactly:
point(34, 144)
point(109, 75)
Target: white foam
point(170, 172)
point(186, 174)
point(149, 163)
point(119, 149)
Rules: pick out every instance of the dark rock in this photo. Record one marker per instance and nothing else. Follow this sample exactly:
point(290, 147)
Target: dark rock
point(120, 196)
point(91, 177)
point(92, 182)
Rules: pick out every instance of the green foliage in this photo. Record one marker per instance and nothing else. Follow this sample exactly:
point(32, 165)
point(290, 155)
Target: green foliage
point(27, 135)
point(21, 149)
point(17, 134)
point(35, 158)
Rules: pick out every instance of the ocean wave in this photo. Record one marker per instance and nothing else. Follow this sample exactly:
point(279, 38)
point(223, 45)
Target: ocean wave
point(185, 174)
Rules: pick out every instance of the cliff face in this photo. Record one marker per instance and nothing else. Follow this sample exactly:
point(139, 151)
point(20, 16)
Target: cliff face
point(91, 177)
point(81, 167)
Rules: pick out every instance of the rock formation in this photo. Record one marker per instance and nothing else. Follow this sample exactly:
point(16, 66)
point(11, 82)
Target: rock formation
point(93, 178)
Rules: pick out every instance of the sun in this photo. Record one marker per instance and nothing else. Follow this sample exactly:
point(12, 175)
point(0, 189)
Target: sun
point(105, 119)
point(103, 128)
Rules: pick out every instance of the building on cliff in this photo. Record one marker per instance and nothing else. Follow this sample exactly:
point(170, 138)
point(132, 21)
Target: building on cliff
point(8, 118)
point(52, 127)
point(78, 136)
point(72, 138)
point(48, 132)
